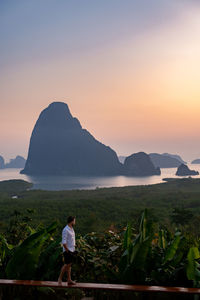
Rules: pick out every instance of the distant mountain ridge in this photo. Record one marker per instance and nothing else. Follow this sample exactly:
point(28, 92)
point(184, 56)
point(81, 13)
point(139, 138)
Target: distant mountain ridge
point(178, 157)
point(196, 161)
point(164, 160)
point(16, 163)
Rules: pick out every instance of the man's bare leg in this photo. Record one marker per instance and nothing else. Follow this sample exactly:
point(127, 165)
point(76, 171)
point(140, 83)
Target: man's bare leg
point(69, 280)
point(62, 272)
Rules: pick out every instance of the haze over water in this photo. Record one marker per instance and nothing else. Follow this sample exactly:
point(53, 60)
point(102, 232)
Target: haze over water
point(72, 182)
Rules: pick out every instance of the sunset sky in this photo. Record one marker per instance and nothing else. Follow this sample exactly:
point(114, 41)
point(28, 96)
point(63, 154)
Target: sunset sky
point(128, 69)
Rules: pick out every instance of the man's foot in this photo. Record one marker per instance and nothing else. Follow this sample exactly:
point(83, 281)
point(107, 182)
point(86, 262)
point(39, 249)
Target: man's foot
point(71, 282)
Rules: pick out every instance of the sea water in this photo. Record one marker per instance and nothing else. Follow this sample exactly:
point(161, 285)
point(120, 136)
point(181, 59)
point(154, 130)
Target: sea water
point(56, 183)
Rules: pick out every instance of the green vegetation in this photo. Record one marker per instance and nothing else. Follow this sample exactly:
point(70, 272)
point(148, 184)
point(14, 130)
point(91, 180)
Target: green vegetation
point(151, 255)
point(101, 209)
point(14, 186)
point(161, 249)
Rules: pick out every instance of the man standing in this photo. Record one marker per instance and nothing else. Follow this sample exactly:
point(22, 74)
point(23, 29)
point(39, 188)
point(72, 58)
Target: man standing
point(68, 242)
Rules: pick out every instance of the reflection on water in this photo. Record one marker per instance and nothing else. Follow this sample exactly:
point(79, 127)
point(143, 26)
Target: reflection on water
point(71, 182)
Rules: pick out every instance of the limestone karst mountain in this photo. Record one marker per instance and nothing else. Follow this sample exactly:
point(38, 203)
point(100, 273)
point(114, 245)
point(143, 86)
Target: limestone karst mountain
point(17, 162)
point(183, 170)
point(140, 164)
point(164, 161)
point(176, 156)
point(60, 146)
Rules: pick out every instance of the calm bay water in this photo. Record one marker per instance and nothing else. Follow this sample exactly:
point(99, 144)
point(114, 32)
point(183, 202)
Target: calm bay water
point(70, 183)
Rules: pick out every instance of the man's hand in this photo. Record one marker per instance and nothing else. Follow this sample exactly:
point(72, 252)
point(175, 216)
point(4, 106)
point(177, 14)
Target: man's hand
point(65, 246)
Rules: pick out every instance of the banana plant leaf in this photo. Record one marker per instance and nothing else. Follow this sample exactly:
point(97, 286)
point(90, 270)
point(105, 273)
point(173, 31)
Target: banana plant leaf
point(5, 249)
point(172, 249)
point(49, 261)
point(127, 237)
point(23, 264)
point(134, 257)
point(161, 239)
point(143, 226)
point(192, 268)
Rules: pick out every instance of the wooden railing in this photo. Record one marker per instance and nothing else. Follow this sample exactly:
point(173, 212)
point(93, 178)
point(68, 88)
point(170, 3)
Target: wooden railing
point(103, 286)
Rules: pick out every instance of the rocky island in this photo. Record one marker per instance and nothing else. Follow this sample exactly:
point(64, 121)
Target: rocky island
point(183, 170)
point(140, 164)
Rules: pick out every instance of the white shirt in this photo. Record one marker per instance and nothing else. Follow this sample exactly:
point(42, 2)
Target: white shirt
point(68, 237)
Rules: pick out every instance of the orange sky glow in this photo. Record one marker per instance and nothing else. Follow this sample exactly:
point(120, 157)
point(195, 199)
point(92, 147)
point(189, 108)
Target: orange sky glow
point(137, 93)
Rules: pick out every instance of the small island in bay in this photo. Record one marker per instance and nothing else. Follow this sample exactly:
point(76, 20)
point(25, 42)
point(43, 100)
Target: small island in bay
point(140, 164)
point(183, 170)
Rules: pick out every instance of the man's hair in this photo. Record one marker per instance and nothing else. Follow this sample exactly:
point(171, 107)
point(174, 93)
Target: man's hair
point(70, 219)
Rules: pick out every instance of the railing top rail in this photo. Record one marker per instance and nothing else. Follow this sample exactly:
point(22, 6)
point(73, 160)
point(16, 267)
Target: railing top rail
point(102, 286)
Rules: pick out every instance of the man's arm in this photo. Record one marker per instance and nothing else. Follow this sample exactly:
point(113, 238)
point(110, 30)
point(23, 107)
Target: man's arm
point(65, 246)
point(64, 240)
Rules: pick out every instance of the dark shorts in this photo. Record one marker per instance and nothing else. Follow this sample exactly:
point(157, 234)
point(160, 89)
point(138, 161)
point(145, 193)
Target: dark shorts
point(68, 257)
